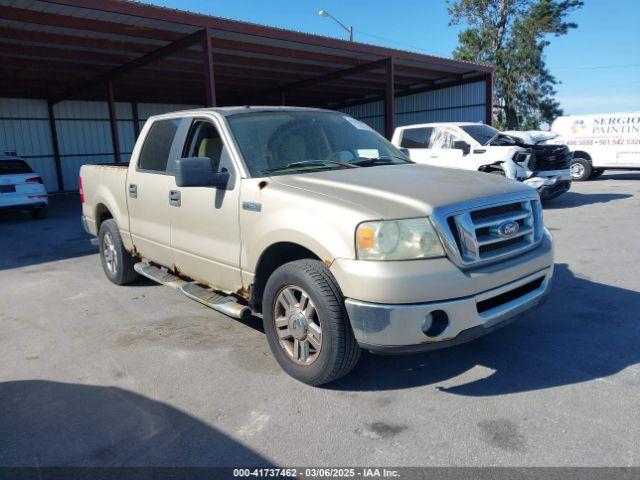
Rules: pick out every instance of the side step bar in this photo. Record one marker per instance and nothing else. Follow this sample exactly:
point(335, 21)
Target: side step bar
point(225, 304)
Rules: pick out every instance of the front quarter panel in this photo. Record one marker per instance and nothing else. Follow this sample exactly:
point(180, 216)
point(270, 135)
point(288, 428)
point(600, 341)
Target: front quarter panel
point(271, 213)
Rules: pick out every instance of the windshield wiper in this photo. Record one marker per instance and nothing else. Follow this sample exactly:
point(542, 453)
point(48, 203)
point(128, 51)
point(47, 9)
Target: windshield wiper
point(308, 163)
point(385, 160)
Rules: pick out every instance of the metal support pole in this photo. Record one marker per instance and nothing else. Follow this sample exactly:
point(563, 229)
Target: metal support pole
point(136, 119)
point(113, 121)
point(56, 146)
point(210, 84)
point(389, 101)
point(489, 99)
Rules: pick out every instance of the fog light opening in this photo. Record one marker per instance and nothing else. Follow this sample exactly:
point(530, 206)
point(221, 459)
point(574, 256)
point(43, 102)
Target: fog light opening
point(435, 323)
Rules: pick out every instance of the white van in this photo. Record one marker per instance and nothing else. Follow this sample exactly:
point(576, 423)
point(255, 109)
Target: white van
point(600, 141)
point(476, 146)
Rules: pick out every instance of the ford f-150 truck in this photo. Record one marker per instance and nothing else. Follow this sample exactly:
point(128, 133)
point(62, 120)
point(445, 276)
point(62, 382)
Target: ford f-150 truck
point(314, 221)
point(476, 146)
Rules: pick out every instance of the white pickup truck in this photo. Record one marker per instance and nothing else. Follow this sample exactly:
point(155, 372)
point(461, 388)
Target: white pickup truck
point(479, 147)
point(317, 223)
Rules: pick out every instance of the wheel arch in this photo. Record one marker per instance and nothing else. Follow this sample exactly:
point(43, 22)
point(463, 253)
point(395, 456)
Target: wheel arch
point(274, 256)
point(102, 213)
point(581, 154)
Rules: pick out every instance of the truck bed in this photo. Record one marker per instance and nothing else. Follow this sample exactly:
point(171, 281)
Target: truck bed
point(102, 185)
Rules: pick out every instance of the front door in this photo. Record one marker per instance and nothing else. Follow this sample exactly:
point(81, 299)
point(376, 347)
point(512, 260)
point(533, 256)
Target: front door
point(147, 193)
point(205, 231)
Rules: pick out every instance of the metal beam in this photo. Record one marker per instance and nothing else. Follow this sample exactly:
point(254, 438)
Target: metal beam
point(489, 98)
point(209, 80)
point(113, 121)
point(136, 120)
point(114, 73)
point(56, 146)
point(389, 101)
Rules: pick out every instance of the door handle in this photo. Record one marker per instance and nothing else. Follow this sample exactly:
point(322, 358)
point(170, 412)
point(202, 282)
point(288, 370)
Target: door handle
point(133, 190)
point(174, 198)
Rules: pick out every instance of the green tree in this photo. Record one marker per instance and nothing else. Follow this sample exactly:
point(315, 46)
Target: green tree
point(511, 35)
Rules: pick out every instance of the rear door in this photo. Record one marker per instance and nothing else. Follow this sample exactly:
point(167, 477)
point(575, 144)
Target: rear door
point(417, 140)
point(205, 229)
point(147, 192)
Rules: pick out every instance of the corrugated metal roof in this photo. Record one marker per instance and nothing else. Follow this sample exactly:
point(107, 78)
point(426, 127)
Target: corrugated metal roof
point(53, 45)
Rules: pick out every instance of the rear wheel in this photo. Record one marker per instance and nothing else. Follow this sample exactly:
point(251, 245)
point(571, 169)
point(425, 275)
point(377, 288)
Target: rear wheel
point(117, 263)
point(596, 172)
point(580, 169)
point(306, 323)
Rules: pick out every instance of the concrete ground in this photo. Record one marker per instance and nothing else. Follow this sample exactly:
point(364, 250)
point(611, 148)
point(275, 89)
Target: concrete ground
point(95, 374)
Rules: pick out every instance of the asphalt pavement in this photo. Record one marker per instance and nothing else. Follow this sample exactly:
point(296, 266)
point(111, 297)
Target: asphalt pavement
point(92, 374)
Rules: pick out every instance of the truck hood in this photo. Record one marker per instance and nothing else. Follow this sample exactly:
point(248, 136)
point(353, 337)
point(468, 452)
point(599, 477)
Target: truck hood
point(532, 137)
point(403, 191)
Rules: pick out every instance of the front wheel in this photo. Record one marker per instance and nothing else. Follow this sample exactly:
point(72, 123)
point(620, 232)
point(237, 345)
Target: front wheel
point(580, 169)
point(306, 323)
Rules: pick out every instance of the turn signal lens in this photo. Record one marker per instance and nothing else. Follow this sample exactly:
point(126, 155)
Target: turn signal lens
point(364, 237)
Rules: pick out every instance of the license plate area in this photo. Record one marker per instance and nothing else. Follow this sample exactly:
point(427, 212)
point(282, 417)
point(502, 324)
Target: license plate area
point(7, 188)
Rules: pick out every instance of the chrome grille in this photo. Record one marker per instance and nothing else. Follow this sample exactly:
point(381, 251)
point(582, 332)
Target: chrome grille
point(478, 233)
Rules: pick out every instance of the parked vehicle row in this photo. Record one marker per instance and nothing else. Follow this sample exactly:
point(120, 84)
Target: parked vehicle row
point(318, 224)
point(479, 147)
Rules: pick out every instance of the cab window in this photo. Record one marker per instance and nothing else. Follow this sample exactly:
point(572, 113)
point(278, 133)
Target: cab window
point(445, 138)
point(416, 137)
point(204, 141)
point(157, 146)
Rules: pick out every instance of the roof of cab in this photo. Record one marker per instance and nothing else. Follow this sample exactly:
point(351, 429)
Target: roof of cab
point(440, 124)
point(229, 111)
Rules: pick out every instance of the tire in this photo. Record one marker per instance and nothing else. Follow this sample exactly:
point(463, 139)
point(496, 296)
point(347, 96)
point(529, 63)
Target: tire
point(580, 169)
point(338, 350)
point(121, 270)
point(39, 213)
point(595, 173)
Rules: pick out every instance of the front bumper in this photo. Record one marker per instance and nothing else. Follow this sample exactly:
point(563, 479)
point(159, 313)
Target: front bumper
point(388, 328)
point(550, 183)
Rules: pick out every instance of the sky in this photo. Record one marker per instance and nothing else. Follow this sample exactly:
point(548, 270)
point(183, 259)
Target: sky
point(598, 64)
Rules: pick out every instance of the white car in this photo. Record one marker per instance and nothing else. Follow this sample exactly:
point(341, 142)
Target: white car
point(599, 142)
point(20, 188)
point(476, 146)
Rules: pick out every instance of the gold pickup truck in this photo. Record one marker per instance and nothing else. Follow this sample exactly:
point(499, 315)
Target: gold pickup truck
point(312, 220)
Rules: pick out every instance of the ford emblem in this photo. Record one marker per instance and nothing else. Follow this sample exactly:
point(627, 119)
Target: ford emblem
point(508, 228)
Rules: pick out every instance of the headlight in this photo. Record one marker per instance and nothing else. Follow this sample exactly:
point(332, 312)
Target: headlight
point(408, 239)
point(521, 157)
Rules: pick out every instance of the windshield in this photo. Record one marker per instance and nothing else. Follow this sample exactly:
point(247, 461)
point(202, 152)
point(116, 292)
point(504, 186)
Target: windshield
point(285, 142)
point(480, 133)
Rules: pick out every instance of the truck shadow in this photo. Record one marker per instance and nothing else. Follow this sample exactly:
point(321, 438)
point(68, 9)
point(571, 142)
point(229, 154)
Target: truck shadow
point(585, 331)
point(575, 199)
point(620, 176)
point(45, 423)
point(59, 236)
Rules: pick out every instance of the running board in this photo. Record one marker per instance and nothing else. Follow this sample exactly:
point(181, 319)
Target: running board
point(225, 304)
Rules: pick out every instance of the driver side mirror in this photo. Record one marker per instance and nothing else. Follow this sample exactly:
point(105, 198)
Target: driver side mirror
point(462, 145)
point(199, 172)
